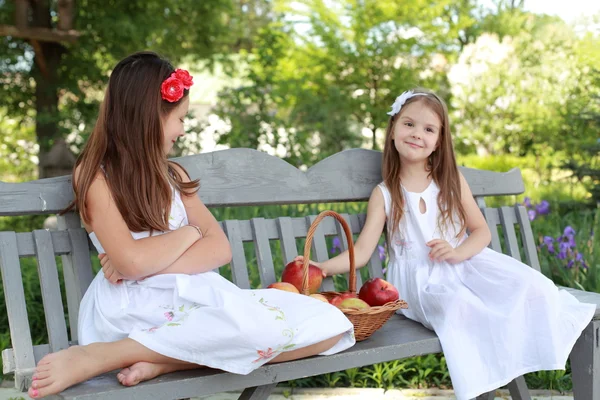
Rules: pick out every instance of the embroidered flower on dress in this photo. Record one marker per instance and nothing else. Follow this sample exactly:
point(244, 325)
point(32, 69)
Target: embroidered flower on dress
point(264, 355)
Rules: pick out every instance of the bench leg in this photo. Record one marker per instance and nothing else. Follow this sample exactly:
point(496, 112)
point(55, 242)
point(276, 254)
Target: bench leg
point(257, 392)
point(585, 364)
point(487, 396)
point(518, 389)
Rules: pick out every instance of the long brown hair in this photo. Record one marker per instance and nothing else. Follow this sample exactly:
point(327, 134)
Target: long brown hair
point(127, 144)
point(442, 167)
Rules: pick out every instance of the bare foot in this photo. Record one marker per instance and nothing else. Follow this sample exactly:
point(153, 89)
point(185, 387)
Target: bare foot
point(58, 371)
point(144, 371)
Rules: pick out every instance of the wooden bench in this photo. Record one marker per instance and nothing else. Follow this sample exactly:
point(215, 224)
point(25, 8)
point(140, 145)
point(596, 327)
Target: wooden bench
point(240, 177)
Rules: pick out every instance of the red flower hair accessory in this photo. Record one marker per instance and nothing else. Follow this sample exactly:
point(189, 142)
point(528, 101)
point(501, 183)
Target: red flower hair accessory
point(172, 88)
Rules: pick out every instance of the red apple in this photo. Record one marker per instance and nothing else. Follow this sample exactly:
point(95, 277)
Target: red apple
point(341, 297)
point(354, 304)
point(377, 292)
point(292, 273)
point(288, 287)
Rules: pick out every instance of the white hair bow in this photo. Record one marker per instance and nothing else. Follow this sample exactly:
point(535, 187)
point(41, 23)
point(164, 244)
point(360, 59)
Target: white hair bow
point(400, 100)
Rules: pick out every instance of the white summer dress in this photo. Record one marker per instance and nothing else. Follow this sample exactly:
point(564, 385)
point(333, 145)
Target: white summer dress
point(204, 318)
point(496, 317)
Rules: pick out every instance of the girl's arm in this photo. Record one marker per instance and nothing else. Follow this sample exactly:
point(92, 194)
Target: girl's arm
point(366, 242)
point(207, 254)
point(133, 259)
point(480, 235)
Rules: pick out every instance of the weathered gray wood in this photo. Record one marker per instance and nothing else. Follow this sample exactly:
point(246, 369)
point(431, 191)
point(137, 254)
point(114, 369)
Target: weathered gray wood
point(44, 196)
point(66, 222)
point(262, 248)
point(518, 389)
point(51, 294)
point(508, 221)
point(239, 269)
point(287, 240)
point(491, 217)
point(398, 339)
point(250, 177)
point(39, 351)
point(480, 201)
point(257, 392)
point(585, 364)
point(344, 246)
point(374, 266)
point(487, 396)
point(527, 237)
point(60, 242)
point(16, 308)
point(82, 265)
point(242, 176)
point(488, 183)
point(585, 297)
point(319, 249)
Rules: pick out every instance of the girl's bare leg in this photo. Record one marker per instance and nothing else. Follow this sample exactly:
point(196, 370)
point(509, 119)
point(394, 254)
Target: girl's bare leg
point(58, 371)
point(143, 371)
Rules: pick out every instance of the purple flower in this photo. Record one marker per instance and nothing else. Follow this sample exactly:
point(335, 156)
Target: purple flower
point(579, 257)
point(531, 214)
point(568, 238)
point(381, 252)
point(549, 243)
point(337, 245)
point(570, 263)
point(527, 202)
point(543, 208)
point(569, 231)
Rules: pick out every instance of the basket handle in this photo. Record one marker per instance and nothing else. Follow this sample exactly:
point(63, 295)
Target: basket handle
point(308, 243)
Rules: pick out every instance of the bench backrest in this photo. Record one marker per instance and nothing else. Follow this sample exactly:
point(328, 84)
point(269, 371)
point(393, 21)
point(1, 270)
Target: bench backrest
point(228, 178)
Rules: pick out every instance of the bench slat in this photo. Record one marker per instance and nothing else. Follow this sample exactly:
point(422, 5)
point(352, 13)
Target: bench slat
point(82, 262)
point(14, 295)
point(60, 242)
point(508, 221)
point(262, 247)
point(355, 228)
point(239, 268)
point(66, 222)
point(255, 178)
point(319, 249)
point(491, 217)
point(287, 240)
point(344, 246)
point(531, 255)
point(374, 265)
point(51, 294)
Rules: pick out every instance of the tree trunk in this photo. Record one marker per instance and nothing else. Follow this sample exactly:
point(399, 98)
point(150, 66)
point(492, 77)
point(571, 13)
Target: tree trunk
point(45, 73)
point(374, 133)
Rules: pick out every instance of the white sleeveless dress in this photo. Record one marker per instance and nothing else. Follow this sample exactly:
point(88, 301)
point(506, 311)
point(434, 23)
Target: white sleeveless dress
point(204, 318)
point(496, 317)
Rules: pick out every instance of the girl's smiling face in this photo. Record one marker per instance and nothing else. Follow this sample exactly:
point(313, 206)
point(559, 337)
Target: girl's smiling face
point(416, 132)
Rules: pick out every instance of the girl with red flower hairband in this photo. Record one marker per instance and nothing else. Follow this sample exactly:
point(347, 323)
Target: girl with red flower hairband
point(157, 306)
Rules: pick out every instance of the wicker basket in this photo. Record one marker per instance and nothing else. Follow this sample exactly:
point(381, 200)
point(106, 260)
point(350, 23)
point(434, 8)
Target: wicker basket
point(365, 321)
